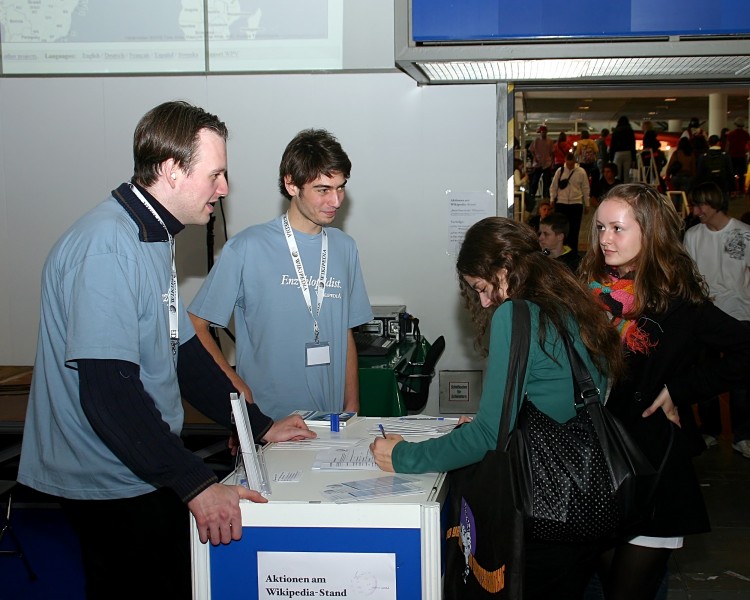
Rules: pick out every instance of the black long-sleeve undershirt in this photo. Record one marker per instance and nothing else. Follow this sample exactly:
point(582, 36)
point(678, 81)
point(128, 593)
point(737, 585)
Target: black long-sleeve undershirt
point(125, 417)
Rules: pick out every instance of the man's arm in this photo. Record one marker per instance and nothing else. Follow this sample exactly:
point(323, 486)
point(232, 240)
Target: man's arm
point(204, 335)
point(205, 386)
point(351, 384)
point(125, 417)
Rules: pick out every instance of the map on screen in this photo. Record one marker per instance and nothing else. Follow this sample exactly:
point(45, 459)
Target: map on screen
point(143, 36)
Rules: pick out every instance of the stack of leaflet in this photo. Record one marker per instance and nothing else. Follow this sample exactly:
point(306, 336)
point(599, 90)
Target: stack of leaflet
point(354, 458)
point(415, 425)
point(367, 489)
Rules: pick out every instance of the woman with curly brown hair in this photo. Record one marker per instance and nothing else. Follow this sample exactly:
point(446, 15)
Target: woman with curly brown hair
point(501, 259)
point(648, 285)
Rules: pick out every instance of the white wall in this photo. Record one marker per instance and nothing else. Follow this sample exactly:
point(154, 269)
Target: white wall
point(66, 142)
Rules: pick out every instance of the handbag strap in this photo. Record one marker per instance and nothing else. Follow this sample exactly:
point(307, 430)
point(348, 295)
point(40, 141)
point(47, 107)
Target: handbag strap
point(519, 354)
point(583, 384)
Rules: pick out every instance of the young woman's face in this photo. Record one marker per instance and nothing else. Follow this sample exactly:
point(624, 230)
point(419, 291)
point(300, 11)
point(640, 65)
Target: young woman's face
point(489, 295)
point(619, 234)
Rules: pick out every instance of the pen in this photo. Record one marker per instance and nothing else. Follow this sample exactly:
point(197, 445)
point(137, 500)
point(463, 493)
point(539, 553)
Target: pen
point(382, 430)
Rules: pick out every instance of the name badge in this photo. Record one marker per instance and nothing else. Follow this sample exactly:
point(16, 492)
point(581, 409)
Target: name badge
point(317, 354)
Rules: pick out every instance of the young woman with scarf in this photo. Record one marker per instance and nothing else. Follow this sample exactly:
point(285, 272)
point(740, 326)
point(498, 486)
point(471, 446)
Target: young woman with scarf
point(648, 284)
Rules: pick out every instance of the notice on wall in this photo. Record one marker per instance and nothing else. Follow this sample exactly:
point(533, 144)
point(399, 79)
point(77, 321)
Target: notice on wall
point(465, 209)
point(327, 575)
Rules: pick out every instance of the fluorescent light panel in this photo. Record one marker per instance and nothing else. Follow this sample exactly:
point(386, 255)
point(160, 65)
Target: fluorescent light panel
point(585, 68)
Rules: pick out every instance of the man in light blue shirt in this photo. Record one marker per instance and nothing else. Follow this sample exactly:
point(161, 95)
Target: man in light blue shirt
point(296, 290)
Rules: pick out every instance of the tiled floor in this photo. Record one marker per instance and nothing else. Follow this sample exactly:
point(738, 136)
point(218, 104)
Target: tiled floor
point(716, 565)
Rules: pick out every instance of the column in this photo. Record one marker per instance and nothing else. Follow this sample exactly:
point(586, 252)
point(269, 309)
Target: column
point(717, 114)
point(506, 128)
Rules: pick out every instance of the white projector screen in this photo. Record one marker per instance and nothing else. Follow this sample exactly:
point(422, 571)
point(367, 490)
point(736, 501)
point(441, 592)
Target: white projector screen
point(59, 37)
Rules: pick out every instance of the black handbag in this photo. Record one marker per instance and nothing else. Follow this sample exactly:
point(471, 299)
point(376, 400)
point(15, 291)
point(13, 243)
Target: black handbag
point(583, 480)
point(484, 547)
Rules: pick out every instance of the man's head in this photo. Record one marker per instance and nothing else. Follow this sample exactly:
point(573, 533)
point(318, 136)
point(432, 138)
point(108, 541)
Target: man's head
point(552, 232)
point(313, 173)
point(713, 140)
point(542, 131)
point(312, 153)
point(170, 131)
point(545, 209)
point(709, 204)
point(739, 122)
point(180, 157)
point(609, 171)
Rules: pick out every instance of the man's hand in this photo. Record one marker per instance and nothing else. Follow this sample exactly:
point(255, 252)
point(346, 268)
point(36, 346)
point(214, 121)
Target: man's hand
point(289, 428)
point(217, 512)
point(382, 448)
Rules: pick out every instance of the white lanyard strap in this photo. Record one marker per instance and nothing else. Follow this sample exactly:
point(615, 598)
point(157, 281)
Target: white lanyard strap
point(174, 297)
point(303, 283)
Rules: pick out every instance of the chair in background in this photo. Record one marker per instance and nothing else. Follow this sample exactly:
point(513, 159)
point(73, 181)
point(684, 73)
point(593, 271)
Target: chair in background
point(414, 381)
point(6, 528)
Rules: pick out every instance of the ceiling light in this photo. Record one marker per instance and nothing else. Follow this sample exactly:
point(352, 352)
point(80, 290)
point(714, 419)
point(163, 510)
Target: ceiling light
point(669, 67)
point(670, 99)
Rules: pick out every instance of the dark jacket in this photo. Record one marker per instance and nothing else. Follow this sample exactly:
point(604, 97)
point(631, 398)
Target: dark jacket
point(623, 140)
point(682, 333)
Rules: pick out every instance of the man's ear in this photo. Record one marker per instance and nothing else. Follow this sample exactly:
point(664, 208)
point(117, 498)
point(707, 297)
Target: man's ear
point(170, 171)
point(291, 189)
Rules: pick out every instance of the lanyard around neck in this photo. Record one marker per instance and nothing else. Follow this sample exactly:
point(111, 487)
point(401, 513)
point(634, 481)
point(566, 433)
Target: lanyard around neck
point(303, 283)
point(174, 297)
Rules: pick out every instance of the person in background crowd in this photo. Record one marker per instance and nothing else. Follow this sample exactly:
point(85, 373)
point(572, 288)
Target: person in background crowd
point(501, 259)
point(652, 159)
point(693, 129)
point(646, 282)
point(562, 147)
point(738, 144)
point(545, 209)
point(553, 230)
point(603, 151)
point(716, 166)
point(720, 247)
point(681, 167)
point(608, 180)
point(570, 196)
point(622, 148)
point(520, 177)
point(723, 138)
point(542, 151)
point(586, 153)
point(115, 354)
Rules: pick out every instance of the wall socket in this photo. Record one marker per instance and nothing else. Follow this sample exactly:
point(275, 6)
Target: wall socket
point(460, 391)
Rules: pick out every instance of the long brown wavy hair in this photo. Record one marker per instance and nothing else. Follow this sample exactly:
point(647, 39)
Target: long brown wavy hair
point(497, 243)
point(664, 271)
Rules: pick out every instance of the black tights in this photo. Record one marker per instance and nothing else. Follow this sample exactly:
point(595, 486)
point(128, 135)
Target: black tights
point(629, 572)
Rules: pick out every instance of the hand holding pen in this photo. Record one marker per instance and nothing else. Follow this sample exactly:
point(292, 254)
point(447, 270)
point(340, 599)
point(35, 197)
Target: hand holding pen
point(383, 448)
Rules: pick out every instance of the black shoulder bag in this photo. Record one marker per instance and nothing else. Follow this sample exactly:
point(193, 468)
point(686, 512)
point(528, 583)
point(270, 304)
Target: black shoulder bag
point(583, 480)
point(484, 546)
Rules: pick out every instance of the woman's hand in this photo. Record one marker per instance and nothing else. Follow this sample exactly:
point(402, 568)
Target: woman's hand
point(664, 401)
point(382, 448)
